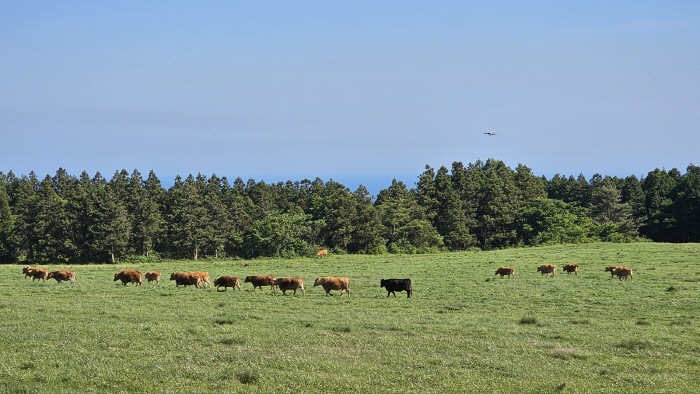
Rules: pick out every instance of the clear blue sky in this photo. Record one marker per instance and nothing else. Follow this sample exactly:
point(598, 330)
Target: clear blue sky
point(357, 91)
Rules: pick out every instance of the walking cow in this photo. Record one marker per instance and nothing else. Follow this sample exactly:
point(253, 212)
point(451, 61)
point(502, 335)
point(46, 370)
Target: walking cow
point(394, 285)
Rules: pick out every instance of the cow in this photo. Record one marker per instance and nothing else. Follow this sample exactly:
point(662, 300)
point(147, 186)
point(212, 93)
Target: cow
point(612, 269)
point(129, 276)
point(569, 268)
point(547, 269)
point(38, 273)
point(226, 282)
point(506, 271)
point(322, 253)
point(204, 276)
point(261, 280)
point(394, 285)
point(331, 283)
point(623, 271)
point(62, 275)
point(285, 284)
point(153, 276)
point(26, 270)
point(186, 279)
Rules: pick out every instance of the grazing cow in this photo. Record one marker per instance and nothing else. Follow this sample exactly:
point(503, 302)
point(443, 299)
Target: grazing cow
point(153, 276)
point(569, 268)
point(62, 275)
point(547, 269)
point(623, 271)
point(26, 270)
point(285, 284)
point(38, 273)
point(506, 271)
point(127, 276)
point(186, 279)
point(322, 253)
point(612, 269)
point(204, 276)
point(331, 283)
point(261, 280)
point(394, 285)
point(226, 282)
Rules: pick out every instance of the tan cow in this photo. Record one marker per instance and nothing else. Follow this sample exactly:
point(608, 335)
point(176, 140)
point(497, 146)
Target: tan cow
point(506, 271)
point(204, 276)
point(623, 271)
point(129, 276)
point(332, 283)
point(38, 273)
point(226, 282)
point(612, 269)
point(547, 269)
point(285, 284)
point(186, 279)
point(322, 253)
point(569, 268)
point(25, 271)
point(261, 280)
point(62, 275)
point(153, 276)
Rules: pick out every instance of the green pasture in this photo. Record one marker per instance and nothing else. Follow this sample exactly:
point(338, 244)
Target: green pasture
point(463, 331)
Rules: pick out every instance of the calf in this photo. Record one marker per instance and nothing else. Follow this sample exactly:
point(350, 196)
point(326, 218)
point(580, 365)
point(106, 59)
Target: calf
point(506, 271)
point(26, 270)
point(62, 275)
point(261, 280)
point(331, 283)
point(226, 282)
point(186, 279)
point(569, 268)
point(547, 269)
point(285, 284)
point(623, 271)
point(612, 269)
point(322, 253)
point(394, 285)
point(129, 276)
point(38, 273)
point(153, 276)
point(204, 276)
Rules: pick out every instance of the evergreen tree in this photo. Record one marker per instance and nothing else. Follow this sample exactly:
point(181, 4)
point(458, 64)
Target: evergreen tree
point(8, 252)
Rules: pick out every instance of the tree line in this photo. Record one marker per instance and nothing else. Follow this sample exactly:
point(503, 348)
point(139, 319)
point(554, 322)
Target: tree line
point(484, 205)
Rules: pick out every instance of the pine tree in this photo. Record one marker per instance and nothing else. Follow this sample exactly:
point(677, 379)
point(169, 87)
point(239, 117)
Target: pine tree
point(8, 252)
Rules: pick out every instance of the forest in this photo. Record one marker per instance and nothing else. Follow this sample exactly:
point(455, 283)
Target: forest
point(485, 205)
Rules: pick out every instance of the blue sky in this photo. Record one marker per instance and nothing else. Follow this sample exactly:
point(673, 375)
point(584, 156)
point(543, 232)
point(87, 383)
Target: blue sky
point(356, 91)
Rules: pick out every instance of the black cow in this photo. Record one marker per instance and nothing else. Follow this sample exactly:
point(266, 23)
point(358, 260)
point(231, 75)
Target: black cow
point(393, 285)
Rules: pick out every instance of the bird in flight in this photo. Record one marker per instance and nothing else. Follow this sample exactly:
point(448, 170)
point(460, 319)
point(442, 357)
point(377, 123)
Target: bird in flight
point(489, 134)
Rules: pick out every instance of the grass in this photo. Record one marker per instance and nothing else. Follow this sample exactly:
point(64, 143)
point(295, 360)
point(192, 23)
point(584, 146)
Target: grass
point(464, 330)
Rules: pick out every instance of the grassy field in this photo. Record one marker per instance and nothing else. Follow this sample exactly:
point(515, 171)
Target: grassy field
point(463, 331)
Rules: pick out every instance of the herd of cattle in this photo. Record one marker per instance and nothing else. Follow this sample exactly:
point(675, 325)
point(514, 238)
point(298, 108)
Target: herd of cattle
point(620, 270)
point(201, 280)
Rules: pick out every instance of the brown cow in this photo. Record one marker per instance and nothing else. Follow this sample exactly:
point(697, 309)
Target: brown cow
point(153, 276)
point(186, 279)
point(547, 269)
point(623, 271)
point(261, 280)
point(38, 273)
point(322, 253)
point(26, 270)
point(128, 276)
point(290, 284)
point(612, 269)
point(569, 268)
point(204, 276)
point(226, 282)
point(506, 271)
point(62, 275)
point(331, 283)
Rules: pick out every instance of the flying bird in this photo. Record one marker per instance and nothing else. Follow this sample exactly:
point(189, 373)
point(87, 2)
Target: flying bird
point(489, 134)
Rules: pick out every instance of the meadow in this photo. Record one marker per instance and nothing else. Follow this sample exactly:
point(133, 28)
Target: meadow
point(464, 330)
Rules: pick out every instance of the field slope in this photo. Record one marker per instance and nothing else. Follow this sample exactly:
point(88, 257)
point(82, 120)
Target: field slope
point(463, 331)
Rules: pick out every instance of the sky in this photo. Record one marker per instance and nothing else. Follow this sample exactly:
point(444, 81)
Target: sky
point(354, 91)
